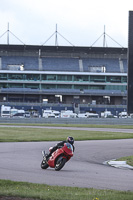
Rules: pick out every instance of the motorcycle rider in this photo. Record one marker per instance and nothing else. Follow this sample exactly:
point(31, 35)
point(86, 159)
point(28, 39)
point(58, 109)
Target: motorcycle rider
point(61, 144)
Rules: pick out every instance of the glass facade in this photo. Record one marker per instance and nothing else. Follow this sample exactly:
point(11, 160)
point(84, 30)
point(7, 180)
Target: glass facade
point(114, 79)
point(3, 76)
point(97, 78)
point(15, 77)
point(81, 78)
point(40, 81)
point(64, 77)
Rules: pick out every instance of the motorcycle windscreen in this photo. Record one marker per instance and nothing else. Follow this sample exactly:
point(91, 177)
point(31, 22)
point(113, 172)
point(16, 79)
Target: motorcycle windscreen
point(68, 148)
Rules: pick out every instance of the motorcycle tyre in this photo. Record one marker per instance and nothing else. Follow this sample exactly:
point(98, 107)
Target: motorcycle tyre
point(44, 165)
point(61, 165)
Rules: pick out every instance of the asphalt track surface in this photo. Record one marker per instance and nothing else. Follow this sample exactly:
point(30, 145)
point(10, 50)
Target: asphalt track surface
point(74, 128)
point(21, 162)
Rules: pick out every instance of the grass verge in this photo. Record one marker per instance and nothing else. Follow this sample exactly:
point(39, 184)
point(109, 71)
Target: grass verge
point(46, 192)
point(25, 134)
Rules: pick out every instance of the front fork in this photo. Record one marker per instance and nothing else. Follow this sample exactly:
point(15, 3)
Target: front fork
point(44, 155)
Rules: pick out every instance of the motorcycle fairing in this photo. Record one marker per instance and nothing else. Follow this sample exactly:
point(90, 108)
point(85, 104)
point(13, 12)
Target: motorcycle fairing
point(66, 152)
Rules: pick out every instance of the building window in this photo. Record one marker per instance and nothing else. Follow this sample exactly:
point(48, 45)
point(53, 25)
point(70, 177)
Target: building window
point(51, 77)
point(64, 78)
point(15, 76)
point(80, 78)
point(48, 86)
point(3, 76)
point(32, 77)
point(32, 86)
point(124, 79)
point(114, 79)
point(97, 78)
point(14, 85)
point(64, 86)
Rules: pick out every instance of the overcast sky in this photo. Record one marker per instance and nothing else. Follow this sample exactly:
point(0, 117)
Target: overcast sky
point(81, 22)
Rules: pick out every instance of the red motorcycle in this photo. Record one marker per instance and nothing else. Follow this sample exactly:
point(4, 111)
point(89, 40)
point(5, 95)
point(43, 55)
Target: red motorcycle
point(58, 157)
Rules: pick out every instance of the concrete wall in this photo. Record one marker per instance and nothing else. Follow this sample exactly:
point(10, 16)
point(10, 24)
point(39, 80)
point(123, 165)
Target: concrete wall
point(101, 121)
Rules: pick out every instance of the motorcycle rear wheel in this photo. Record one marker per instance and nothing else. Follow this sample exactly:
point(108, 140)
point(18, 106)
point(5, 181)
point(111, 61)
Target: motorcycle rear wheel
point(60, 163)
point(44, 164)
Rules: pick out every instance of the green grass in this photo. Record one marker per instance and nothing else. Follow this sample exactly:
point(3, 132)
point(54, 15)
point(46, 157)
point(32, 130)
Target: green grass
point(16, 134)
point(46, 192)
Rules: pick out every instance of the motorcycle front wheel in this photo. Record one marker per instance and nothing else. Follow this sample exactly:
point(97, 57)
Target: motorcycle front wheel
point(60, 163)
point(44, 164)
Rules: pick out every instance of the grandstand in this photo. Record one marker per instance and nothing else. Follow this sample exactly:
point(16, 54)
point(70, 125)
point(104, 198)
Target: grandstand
point(67, 76)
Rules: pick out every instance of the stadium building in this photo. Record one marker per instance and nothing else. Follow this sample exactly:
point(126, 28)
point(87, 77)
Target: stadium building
point(63, 77)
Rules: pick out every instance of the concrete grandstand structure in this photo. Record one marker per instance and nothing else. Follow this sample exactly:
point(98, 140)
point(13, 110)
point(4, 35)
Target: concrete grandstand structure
point(63, 77)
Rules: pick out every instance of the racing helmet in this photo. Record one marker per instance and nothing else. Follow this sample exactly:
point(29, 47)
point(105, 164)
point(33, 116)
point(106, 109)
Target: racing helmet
point(70, 140)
